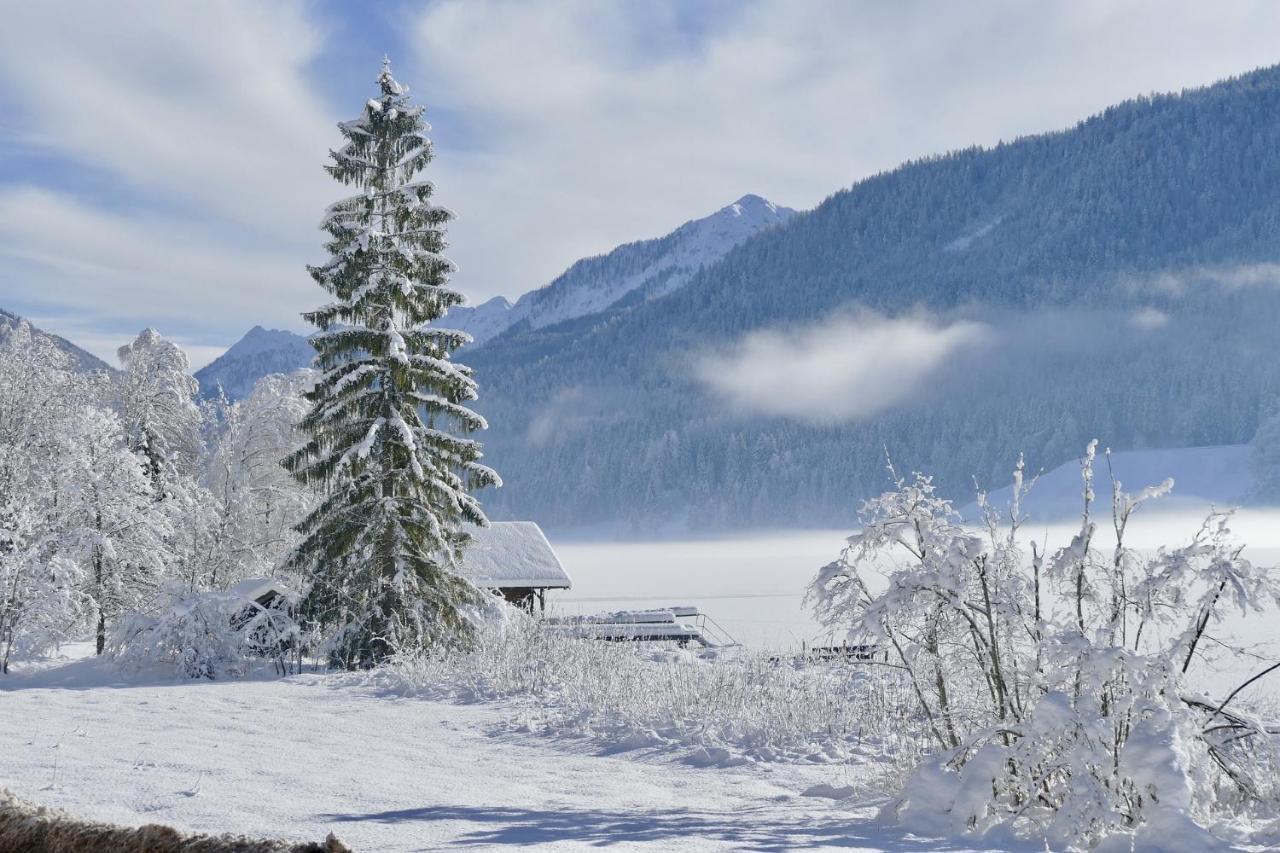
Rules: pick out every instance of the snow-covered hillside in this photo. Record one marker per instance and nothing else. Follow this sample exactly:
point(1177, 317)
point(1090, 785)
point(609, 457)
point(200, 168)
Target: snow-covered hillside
point(259, 353)
point(482, 321)
point(83, 360)
point(648, 268)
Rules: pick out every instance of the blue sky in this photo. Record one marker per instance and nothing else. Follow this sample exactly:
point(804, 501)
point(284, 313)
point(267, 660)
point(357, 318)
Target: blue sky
point(160, 162)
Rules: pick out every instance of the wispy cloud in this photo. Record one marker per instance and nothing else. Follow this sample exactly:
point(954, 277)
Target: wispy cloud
point(183, 146)
point(1227, 277)
point(204, 104)
point(94, 269)
point(1148, 318)
point(844, 369)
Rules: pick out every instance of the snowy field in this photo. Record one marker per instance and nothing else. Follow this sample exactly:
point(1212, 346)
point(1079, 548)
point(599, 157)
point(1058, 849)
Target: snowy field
point(302, 756)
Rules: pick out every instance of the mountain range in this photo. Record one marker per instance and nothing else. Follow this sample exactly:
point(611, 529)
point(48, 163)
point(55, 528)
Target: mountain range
point(259, 353)
point(761, 368)
point(1119, 279)
point(646, 269)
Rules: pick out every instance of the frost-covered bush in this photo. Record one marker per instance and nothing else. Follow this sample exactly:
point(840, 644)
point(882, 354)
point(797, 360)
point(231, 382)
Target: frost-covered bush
point(1055, 685)
point(206, 635)
point(753, 704)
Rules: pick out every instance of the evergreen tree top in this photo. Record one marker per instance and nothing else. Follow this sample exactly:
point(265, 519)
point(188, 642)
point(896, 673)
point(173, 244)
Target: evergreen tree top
point(387, 264)
point(390, 88)
point(389, 115)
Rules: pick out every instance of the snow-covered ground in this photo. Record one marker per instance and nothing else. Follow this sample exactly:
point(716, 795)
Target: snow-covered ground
point(301, 756)
point(751, 585)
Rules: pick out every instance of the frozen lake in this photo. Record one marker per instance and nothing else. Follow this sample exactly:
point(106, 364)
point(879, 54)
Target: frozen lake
point(753, 585)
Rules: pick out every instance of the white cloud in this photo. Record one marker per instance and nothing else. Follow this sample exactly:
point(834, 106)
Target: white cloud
point(843, 369)
point(207, 103)
point(60, 252)
point(1148, 318)
point(1225, 277)
point(199, 141)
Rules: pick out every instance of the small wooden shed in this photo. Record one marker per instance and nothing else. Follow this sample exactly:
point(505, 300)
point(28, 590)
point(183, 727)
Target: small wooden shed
point(260, 593)
point(515, 559)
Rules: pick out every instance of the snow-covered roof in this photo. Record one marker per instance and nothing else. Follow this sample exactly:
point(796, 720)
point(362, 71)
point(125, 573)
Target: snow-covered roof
point(510, 554)
point(252, 589)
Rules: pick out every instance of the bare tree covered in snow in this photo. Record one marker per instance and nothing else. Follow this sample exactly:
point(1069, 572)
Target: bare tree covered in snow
point(109, 520)
point(1055, 686)
point(256, 502)
point(41, 602)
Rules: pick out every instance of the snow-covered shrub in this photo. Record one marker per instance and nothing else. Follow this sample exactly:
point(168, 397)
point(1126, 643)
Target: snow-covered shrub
point(1055, 686)
point(206, 635)
point(752, 704)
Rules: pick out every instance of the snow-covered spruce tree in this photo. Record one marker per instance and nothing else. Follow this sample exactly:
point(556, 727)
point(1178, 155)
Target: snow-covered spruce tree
point(387, 423)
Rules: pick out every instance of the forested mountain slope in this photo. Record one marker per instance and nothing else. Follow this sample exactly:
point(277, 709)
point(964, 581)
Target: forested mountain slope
point(1120, 279)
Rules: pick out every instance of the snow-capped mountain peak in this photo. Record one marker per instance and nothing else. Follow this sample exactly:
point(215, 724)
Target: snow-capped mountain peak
point(751, 204)
point(481, 321)
point(260, 352)
point(651, 268)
